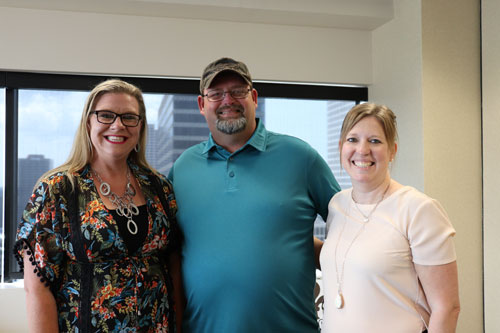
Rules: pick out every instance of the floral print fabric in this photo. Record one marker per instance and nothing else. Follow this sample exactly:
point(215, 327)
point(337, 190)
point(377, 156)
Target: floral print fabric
point(97, 284)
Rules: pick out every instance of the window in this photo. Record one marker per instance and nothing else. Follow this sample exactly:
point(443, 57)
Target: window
point(40, 114)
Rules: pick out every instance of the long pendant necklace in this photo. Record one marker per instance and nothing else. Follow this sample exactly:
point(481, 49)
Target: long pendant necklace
point(125, 205)
point(339, 299)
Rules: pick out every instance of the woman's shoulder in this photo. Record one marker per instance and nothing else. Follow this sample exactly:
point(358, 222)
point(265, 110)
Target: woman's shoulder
point(414, 200)
point(54, 179)
point(341, 196)
point(410, 193)
point(62, 181)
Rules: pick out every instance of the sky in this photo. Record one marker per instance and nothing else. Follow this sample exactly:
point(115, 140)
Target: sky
point(304, 119)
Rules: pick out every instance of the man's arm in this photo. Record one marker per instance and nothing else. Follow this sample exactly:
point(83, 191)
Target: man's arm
point(322, 184)
point(318, 244)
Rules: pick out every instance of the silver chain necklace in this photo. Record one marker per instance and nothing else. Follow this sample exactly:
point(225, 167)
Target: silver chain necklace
point(339, 299)
point(125, 205)
point(366, 218)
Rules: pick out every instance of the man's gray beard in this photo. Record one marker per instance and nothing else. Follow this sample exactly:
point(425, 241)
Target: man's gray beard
point(231, 126)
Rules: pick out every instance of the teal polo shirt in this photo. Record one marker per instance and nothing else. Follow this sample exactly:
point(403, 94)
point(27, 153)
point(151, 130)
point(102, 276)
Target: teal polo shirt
point(247, 220)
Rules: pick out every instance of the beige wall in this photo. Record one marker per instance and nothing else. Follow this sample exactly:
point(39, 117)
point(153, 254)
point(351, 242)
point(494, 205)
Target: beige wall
point(491, 160)
point(424, 64)
point(452, 135)
point(12, 311)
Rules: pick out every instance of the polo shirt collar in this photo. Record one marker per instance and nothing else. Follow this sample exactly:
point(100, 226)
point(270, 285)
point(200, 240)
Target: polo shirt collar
point(257, 140)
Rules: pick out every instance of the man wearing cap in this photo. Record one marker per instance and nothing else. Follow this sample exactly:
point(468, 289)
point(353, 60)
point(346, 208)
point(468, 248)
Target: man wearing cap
point(247, 200)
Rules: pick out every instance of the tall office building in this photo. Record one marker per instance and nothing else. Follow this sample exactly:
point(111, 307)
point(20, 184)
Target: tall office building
point(29, 170)
point(180, 126)
point(261, 110)
point(336, 111)
point(152, 147)
point(335, 116)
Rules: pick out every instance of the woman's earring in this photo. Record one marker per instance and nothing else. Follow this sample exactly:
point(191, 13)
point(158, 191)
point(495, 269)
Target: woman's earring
point(137, 148)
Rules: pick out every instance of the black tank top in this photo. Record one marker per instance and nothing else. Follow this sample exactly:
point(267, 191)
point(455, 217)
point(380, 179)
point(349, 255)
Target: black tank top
point(133, 242)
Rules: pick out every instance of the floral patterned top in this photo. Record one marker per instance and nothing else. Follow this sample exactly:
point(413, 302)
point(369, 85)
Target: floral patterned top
point(74, 244)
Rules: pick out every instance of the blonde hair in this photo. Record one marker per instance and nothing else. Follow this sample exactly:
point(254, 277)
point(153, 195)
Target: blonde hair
point(82, 152)
point(382, 113)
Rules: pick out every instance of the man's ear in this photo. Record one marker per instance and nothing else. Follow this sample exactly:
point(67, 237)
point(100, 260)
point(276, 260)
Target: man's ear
point(201, 104)
point(254, 97)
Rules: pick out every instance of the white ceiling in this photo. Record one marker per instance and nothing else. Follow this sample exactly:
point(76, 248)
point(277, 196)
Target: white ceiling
point(343, 14)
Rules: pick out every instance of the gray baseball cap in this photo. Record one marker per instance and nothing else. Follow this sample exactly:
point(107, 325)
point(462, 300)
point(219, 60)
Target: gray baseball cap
point(221, 65)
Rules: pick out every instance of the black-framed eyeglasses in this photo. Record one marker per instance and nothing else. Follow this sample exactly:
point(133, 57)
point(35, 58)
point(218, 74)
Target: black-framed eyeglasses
point(218, 94)
point(109, 117)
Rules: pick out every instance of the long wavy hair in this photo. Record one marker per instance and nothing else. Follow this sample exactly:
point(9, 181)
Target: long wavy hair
point(82, 151)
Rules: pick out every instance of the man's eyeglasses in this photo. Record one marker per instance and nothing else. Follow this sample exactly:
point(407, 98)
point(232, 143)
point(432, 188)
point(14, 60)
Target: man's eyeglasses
point(218, 95)
point(109, 117)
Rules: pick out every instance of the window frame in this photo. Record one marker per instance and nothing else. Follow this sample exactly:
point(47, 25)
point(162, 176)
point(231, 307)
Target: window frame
point(13, 81)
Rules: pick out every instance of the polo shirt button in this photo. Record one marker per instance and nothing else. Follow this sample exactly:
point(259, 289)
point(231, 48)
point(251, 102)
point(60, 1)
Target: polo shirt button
point(231, 174)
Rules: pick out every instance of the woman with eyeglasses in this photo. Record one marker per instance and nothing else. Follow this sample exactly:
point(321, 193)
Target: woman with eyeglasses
point(98, 238)
point(388, 262)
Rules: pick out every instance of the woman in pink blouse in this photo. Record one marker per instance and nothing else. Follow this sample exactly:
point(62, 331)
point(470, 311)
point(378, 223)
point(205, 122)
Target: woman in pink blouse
point(389, 263)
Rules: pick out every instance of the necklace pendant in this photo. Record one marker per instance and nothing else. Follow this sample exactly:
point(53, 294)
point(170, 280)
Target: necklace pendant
point(134, 210)
point(339, 301)
point(130, 190)
point(366, 220)
point(104, 188)
point(132, 226)
point(121, 210)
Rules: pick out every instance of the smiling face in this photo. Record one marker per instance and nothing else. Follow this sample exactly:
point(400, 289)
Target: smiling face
point(114, 141)
point(230, 115)
point(366, 153)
